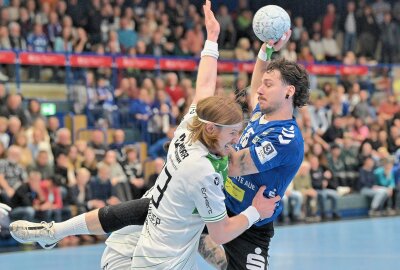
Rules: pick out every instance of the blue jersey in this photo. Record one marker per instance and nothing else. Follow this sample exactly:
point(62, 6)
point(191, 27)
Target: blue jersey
point(277, 149)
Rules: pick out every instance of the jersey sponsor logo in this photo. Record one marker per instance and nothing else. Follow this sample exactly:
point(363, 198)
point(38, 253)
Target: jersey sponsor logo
point(216, 181)
point(206, 201)
point(192, 110)
point(286, 135)
point(180, 149)
point(255, 261)
point(265, 152)
point(153, 218)
point(234, 190)
point(255, 116)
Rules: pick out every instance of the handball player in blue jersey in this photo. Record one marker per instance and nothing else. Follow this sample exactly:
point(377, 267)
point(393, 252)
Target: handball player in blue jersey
point(269, 153)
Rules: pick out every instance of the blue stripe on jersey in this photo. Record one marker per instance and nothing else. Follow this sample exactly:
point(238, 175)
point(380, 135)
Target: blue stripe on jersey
point(277, 149)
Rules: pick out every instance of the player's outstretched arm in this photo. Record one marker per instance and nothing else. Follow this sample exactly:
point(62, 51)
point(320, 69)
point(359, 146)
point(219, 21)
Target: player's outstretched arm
point(207, 71)
point(262, 61)
point(231, 227)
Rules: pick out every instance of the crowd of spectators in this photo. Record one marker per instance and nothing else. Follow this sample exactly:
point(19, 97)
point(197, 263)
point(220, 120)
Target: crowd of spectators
point(351, 127)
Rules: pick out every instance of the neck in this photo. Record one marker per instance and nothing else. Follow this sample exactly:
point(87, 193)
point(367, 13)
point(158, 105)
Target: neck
point(284, 114)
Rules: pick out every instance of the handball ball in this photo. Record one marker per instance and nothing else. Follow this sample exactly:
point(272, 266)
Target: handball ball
point(271, 22)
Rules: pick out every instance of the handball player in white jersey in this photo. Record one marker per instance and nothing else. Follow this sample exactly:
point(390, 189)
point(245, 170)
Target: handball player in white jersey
point(189, 191)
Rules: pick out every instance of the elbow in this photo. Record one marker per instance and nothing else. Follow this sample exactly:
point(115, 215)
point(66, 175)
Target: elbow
point(219, 239)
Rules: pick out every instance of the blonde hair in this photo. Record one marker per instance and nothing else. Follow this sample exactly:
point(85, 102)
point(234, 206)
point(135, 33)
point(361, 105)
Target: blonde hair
point(215, 109)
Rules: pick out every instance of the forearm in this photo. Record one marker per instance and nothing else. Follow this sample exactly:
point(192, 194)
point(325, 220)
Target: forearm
point(256, 77)
point(230, 229)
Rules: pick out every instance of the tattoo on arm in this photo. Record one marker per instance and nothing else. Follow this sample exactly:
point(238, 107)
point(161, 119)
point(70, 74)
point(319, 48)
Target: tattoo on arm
point(242, 162)
point(213, 254)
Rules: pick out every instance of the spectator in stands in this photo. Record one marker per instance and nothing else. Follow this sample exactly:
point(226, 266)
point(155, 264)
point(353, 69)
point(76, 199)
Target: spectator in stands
point(379, 9)
point(305, 55)
point(195, 38)
point(64, 177)
point(292, 203)
point(4, 137)
point(302, 182)
point(12, 172)
point(14, 127)
point(105, 100)
point(368, 187)
point(289, 53)
point(101, 186)
point(53, 124)
point(82, 194)
point(118, 144)
point(368, 29)
point(242, 50)
point(157, 148)
point(158, 166)
point(157, 46)
point(159, 123)
point(298, 28)
point(26, 155)
point(64, 42)
point(98, 144)
point(53, 28)
point(385, 179)
point(62, 142)
point(173, 89)
point(331, 48)
point(335, 132)
point(27, 198)
point(134, 171)
point(227, 34)
point(41, 164)
point(337, 166)
point(51, 208)
point(14, 108)
point(348, 24)
point(323, 183)
point(127, 37)
point(390, 38)
point(89, 161)
point(37, 40)
point(317, 47)
point(34, 111)
point(360, 130)
point(320, 118)
point(25, 22)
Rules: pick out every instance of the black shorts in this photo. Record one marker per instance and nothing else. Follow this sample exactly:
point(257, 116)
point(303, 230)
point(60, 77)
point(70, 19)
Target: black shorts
point(250, 249)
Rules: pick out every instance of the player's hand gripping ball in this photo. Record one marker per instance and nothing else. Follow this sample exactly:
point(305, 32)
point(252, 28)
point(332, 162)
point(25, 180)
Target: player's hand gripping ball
point(271, 23)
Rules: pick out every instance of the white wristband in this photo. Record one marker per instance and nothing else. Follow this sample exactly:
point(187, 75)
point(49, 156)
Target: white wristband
point(252, 215)
point(210, 49)
point(265, 55)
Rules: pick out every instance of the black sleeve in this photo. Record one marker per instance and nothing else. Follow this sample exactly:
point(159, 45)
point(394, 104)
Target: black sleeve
point(115, 217)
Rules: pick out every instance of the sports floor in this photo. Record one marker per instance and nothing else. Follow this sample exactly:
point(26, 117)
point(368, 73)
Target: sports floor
point(352, 244)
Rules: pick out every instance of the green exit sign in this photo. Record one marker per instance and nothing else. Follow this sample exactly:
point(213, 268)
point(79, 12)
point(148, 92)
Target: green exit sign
point(48, 109)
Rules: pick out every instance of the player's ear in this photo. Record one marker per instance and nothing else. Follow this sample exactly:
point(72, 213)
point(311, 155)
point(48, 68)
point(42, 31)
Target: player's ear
point(210, 128)
point(290, 90)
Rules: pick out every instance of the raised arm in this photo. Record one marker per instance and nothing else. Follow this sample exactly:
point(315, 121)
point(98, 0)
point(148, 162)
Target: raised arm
point(262, 61)
point(207, 71)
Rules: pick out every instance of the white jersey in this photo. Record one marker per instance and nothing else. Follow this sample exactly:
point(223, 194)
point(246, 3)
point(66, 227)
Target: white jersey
point(187, 194)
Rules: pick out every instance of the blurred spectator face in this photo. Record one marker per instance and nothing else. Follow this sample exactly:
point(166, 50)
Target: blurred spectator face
point(383, 136)
point(140, 47)
point(73, 153)
point(63, 136)
point(110, 157)
point(14, 102)
point(89, 155)
point(34, 106)
point(53, 123)
point(3, 124)
point(336, 151)
point(364, 95)
point(38, 29)
point(119, 136)
point(298, 22)
point(67, 22)
point(159, 164)
point(103, 173)
point(67, 33)
point(81, 145)
point(21, 139)
point(314, 162)
point(42, 159)
point(317, 149)
point(131, 155)
point(23, 14)
point(62, 161)
point(14, 154)
point(366, 149)
point(53, 17)
point(34, 180)
point(5, 16)
point(117, 11)
point(369, 163)
point(304, 169)
point(31, 5)
point(15, 30)
point(97, 137)
point(351, 6)
point(14, 125)
point(82, 177)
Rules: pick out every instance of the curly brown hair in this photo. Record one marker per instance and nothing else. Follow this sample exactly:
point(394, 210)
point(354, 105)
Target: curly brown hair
point(293, 74)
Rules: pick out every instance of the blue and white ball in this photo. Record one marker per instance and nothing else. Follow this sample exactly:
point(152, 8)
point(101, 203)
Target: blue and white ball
point(271, 23)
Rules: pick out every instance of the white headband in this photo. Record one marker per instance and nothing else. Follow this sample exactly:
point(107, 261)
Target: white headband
point(239, 125)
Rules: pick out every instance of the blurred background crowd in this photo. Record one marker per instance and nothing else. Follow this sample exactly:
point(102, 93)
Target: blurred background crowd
point(351, 126)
